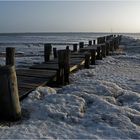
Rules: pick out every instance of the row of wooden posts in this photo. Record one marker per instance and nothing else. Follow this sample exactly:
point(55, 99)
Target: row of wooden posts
point(105, 46)
point(9, 98)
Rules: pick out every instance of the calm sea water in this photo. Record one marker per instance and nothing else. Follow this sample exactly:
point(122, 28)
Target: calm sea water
point(48, 37)
point(32, 44)
point(56, 38)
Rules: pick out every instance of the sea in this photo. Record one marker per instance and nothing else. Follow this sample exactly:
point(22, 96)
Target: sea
point(31, 45)
point(54, 38)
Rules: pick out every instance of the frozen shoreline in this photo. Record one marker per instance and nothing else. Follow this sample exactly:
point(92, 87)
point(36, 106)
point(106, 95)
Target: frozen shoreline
point(100, 103)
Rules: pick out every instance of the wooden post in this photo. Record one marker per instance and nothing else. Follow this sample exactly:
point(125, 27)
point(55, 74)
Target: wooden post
point(103, 47)
point(90, 42)
point(87, 60)
point(55, 52)
point(112, 45)
point(107, 48)
point(93, 56)
point(60, 75)
point(66, 67)
point(63, 63)
point(9, 99)
point(47, 52)
point(116, 43)
point(67, 48)
point(81, 45)
point(99, 56)
point(75, 47)
point(94, 42)
point(99, 40)
point(10, 56)
point(103, 39)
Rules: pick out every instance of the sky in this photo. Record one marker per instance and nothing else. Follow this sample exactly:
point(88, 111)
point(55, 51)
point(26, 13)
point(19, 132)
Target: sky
point(69, 16)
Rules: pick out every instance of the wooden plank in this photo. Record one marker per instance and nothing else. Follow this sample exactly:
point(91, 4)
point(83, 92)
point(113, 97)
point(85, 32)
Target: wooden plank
point(28, 85)
point(55, 66)
point(78, 53)
point(36, 73)
point(30, 80)
point(87, 49)
point(45, 66)
point(75, 67)
point(23, 92)
point(72, 59)
point(54, 61)
point(75, 63)
point(77, 56)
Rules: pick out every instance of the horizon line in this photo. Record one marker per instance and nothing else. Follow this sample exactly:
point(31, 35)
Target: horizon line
point(66, 32)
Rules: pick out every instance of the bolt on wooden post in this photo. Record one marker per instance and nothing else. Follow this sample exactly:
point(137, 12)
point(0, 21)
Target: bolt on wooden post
point(47, 52)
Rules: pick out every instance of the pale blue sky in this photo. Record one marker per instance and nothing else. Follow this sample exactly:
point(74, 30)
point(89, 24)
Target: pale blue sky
point(70, 16)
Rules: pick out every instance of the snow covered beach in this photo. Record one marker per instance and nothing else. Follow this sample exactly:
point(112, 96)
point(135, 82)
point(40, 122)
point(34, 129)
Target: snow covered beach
point(100, 103)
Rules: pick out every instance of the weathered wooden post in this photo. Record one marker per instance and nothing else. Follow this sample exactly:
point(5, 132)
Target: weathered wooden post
point(81, 45)
point(10, 56)
point(120, 37)
point(107, 48)
point(60, 72)
point(99, 56)
point(89, 42)
point(67, 48)
point(87, 60)
point(10, 109)
point(103, 47)
point(107, 38)
point(93, 56)
point(47, 52)
point(94, 42)
point(99, 40)
point(116, 43)
point(103, 39)
point(55, 52)
point(75, 47)
point(64, 68)
point(112, 46)
point(9, 100)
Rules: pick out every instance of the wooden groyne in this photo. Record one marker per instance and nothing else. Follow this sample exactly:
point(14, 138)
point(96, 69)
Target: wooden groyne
point(55, 72)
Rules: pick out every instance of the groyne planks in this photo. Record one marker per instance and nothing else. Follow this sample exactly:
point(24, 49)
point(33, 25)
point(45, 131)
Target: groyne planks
point(53, 70)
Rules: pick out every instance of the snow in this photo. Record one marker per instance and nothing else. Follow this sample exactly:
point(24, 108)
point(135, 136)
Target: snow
point(102, 102)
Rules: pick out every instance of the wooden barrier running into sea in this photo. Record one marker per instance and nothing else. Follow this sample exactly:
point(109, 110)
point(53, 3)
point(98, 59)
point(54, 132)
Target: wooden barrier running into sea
point(55, 71)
